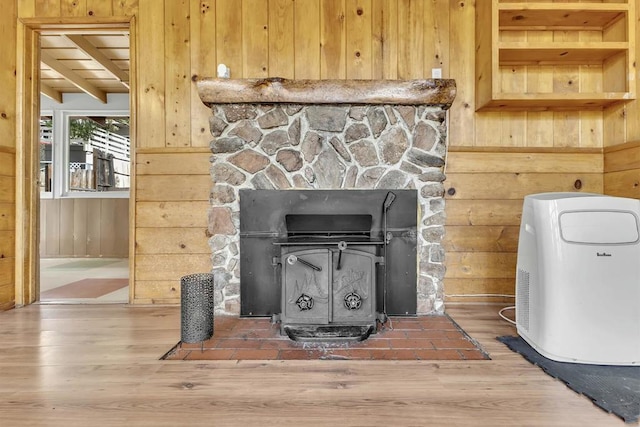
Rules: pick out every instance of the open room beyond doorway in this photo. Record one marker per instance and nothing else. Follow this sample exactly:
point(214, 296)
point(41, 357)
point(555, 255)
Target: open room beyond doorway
point(84, 166)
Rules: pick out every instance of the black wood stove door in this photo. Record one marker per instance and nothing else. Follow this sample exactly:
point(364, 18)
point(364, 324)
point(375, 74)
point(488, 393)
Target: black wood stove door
point(305, 278)
point(322, 286)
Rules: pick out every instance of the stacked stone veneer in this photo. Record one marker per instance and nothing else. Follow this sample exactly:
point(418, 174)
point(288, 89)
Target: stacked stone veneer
point(285, 146)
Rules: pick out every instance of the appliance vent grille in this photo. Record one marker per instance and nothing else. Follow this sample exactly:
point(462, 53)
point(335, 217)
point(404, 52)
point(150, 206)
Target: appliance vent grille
point(522, 301)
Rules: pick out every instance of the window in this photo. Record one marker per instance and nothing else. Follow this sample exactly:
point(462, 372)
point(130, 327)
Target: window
point(84, 155)
point(98, 153)
point(46, 153)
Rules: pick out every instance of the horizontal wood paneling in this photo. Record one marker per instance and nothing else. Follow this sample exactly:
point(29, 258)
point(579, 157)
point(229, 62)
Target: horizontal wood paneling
point(172, 214)
point(172, 187)
point(477, 238)
point(7, 163)
point(150, 291)
point(623, 159)
point(172, 240)
point(486, 265)
point(171, 266)
point(484, 192)
point(492, 186)
point(7, 244)
point(7, 188)
point(622, 170)
point(623, 184)
point(521, 162)
point(7, 216)
point(166, 164)
point(483, 212)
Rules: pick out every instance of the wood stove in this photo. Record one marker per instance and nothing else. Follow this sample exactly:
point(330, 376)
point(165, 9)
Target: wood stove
point(338, 260)
point(328, 265)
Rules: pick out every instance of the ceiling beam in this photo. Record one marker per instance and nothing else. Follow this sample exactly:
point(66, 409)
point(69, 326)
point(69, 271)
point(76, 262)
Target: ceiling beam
point(74, 78)
point(51, 92)
point(84, 45)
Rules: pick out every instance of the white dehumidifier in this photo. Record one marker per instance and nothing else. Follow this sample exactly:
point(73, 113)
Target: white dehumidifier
point(578, 278)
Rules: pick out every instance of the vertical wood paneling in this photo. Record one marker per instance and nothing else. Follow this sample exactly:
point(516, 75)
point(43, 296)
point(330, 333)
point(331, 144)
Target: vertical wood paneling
point(332, 39)
point(84, 228)
point(66, 233)
point(306, 56)
point(281, 38)
point(94, 235)
point(358, 39)
point(255, 38)
point(203, 64)
point(26, 8)
point(436, 35)
point(566, 129)
point(126, 7)
point(410, 39)
point(8, 32)
point(461, 58)
point(229, 35)
point(80, 226)
point(99, 8)
point(73, 7)
point(384, 32)
point(47, 8)
point(177, 74)
point(150, 95)
point(591, 129)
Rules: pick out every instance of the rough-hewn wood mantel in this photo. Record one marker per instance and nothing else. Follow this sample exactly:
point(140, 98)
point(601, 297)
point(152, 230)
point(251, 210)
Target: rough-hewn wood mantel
point(436, 92)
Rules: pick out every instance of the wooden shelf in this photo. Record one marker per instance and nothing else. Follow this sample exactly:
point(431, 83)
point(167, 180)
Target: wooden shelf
point(559, 53)
point(518, 41)
point(554, 101)
point(560, 16)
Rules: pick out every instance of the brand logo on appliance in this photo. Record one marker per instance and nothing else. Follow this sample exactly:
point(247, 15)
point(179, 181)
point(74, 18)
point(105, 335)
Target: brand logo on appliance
point(602, 254)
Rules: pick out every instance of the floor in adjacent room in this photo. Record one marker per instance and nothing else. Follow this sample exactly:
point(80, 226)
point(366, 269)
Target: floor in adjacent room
point(84, 280)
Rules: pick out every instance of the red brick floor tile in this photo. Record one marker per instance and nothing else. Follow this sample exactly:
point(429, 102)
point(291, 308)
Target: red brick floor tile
point(373, 343)
point(211, 354)
point(239, 343)
point(417, 343)
point(293, 354)
point(393, 354)
point(402, 338)
point(361, 353)
point(453, 343)
point(254, 354)
point(391, 333)
point(429, 334)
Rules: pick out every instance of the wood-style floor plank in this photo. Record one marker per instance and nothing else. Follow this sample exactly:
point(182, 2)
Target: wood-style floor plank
point(99, 365)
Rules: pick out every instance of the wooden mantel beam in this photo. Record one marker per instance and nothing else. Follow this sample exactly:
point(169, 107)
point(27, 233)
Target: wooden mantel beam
point(436, 92)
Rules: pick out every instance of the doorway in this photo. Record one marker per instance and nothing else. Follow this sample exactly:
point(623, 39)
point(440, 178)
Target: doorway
point(80, 253)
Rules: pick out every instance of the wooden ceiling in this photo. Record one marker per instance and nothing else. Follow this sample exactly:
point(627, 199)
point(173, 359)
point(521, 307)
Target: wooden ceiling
point(96, 63)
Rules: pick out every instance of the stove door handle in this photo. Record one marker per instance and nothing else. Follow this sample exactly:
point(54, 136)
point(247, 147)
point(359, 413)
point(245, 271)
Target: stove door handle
point(292, 259)
point(342, 245)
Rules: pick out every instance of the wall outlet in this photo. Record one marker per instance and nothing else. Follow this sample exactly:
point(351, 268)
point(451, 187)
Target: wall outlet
point(436, 73)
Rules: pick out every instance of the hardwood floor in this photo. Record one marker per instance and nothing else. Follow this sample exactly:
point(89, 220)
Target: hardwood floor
point(98, 365)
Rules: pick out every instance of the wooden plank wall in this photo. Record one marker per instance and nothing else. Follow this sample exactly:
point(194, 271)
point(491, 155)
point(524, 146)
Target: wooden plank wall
point(496, 158)
point(84, 228)
point(7, 155)
point(622, 170)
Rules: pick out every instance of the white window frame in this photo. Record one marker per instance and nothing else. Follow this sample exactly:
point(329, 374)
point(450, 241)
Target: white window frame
point(60, 155)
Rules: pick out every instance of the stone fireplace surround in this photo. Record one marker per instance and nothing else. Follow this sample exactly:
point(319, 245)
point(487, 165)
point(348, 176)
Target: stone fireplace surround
point(327, 134)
